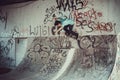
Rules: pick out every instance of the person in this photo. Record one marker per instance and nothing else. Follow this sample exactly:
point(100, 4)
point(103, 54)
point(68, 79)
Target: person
point(65, 24)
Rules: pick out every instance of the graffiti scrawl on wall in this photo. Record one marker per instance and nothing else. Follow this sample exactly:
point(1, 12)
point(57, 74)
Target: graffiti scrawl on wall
point(94, 53)
point(71, 4)
point(7, 53)
point(3, 18)
point(87, 19)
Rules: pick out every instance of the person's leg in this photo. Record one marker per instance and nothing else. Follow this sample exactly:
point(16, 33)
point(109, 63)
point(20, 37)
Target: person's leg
point(66, 29)
point(59, 31)
point(72, 32)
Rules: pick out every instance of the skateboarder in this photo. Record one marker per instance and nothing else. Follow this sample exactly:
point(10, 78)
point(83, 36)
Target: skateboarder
point(66, 25)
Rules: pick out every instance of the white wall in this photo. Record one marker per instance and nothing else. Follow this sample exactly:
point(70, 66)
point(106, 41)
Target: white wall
point(33, 14)
point(21, 47)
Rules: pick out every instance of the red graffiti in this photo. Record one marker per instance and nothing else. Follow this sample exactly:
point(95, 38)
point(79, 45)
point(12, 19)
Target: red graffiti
point(89, 18)
point(104, 26)
point(90, 14)
point(99, 14)
point(100, 26)
point(84, 18)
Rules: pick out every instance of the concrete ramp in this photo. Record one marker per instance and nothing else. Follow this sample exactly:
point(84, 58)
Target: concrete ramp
point(64, 58)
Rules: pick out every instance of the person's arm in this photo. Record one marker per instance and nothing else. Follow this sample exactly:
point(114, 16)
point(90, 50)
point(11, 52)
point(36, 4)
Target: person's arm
point(59, 30)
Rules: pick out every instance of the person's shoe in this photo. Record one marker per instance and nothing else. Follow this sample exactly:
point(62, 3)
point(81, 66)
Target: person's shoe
point(77, 37)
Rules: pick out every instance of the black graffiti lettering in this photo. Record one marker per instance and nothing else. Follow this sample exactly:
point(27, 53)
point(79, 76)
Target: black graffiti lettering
point(69, 4)
point(85, 42)
point(61, 3)
point(15, 31)
point(60, 42)
point(34, 31)
point(3, 18)
point(79, 2)
point(44, 32)
point(5, 48)
point(6, 20)
point(58, 50)
point(49, 12)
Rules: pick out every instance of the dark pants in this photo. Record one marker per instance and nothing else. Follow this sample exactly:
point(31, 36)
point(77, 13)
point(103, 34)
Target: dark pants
point(69, 30)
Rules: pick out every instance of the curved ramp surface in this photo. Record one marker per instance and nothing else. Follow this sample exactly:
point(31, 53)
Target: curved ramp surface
point(63, 58)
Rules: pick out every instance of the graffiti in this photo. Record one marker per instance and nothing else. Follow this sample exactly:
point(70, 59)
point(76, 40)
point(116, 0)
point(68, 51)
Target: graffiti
point(18, 32)
point(96, 54)
point(5, 48)
point(101, 26)
point(99, 14)
point(46, 51)
point(102, 56)
point(94, 41)
point(90, 14)
point(60, 51)
point(39, 31)
point(71, 4)
point(15, 31)
point(49, 13)
point(45, 31)
point(55, 61)
point(34, 31)
point(84, 18)
point(105, 26)
point(85, 42)
point(40, 52)
point(89, 18)
point(60, 42)
point(29, 31)
point(97, 47)
point(88, 21)
point(3, 18)
point(37, 55)
point(52, 66)
point(87, 62)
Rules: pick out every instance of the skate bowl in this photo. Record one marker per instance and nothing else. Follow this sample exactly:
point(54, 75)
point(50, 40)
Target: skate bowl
point(92, 57)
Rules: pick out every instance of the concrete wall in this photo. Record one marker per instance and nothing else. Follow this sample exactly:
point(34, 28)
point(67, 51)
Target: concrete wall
point(34, 19)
